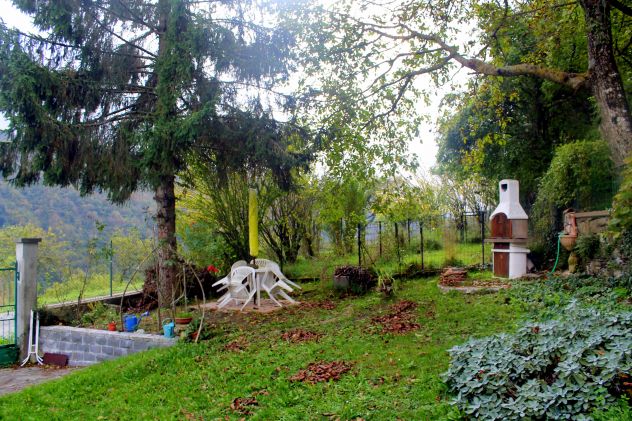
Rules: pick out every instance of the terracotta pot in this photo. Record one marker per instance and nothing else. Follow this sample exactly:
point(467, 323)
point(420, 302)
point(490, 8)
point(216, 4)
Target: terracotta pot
point(112, 327)
point(568, 241)
point(183, 320)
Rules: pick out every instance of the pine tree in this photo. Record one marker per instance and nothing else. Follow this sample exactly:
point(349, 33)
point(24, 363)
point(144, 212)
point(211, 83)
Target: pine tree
point(117, 95)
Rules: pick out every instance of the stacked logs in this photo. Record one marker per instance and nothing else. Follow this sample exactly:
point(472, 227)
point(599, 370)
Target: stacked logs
point(453, 277)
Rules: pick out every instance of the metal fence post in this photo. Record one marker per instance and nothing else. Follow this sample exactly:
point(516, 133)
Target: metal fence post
point(399, 257)
point(379, 224)
point(421, 242)
point(359, 245)
point(111, 265)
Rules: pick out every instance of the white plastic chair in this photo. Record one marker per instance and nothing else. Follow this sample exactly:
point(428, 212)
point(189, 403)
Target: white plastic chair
point(275, 287)
point(276, 270)
point(238, 263)
point(241, 288)
point(226, 279)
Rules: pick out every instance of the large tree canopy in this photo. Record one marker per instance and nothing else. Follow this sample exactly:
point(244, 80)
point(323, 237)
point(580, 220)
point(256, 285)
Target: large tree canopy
point(372, 53)
point(117, 95)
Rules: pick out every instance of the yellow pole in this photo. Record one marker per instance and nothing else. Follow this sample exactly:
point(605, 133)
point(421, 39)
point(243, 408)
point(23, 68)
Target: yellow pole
point(253, 223)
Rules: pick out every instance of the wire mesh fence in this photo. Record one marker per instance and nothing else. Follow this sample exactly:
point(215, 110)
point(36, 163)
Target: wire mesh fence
point(103, 273)
point(439, 242)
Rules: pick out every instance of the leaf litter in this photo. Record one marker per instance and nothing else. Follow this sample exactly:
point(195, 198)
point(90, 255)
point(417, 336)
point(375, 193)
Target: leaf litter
point(400, 318)
point(322, 371)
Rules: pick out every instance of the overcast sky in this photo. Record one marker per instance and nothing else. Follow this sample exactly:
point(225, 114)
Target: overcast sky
point(424, 147)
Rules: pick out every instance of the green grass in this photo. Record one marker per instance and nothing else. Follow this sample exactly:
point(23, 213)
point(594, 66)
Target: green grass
point(394, 376)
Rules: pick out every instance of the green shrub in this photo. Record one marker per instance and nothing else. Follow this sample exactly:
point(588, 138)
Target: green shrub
point(452, 262)
point(560, 369)
point(588, 247)
point(622, 204)
point(432, 245)
point(581, 175)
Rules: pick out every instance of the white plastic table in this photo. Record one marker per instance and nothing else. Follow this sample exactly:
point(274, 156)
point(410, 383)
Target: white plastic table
point(260, 274)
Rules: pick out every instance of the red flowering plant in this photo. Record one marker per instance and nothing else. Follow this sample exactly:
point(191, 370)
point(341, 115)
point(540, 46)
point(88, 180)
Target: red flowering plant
point(211, 268)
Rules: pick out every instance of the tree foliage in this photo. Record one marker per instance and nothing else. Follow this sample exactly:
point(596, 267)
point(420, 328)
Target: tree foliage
point(119, 95)
point(581, 175)
point(370, 56)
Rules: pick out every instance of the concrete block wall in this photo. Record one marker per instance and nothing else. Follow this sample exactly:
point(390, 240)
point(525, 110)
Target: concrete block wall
point(90, 346)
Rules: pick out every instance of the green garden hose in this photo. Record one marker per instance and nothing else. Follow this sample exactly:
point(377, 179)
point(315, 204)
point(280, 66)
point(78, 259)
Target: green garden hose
point(559, 236)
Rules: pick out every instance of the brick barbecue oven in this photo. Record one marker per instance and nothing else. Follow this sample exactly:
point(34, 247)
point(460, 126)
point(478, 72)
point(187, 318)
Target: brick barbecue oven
point(509, 232)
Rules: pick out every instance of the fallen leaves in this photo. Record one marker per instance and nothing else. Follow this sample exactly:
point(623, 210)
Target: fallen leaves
point(244, 405)
point(325, 304)
point(399, 319)
point(300, 335)
point(322, 371)
point(237, 345)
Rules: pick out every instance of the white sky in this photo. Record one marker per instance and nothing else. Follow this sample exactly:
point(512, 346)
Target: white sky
point(425, 146)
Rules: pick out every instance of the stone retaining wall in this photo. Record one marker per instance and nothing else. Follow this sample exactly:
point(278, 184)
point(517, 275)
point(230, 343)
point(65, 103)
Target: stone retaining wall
point(89, 346)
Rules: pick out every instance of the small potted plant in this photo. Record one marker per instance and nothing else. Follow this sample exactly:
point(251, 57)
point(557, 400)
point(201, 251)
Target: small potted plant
point(183, 318)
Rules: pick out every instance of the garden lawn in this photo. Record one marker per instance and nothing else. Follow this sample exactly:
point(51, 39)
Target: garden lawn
point(393, 376)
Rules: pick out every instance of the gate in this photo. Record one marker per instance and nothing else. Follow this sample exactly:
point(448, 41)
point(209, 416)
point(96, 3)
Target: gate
point(8, 310)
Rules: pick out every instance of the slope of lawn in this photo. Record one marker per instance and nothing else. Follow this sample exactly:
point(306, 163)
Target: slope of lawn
point(393, 376)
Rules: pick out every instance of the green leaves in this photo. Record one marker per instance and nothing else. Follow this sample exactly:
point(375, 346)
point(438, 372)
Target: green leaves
point(555, 370)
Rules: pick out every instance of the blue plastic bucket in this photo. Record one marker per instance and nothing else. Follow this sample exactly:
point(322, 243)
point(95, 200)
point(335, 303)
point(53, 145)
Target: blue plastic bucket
point(168, 327)
point(130, 322)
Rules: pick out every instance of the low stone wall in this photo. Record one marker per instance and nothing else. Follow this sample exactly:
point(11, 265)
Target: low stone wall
point(89, 346)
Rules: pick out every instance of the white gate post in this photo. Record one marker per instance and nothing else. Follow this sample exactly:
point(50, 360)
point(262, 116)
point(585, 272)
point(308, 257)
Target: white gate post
point(26, 256)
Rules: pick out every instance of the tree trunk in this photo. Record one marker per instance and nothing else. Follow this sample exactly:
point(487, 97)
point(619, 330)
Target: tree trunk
point(605, 81)
point(166, 222)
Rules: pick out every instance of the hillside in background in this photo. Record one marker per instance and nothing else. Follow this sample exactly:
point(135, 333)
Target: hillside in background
point(74, 217)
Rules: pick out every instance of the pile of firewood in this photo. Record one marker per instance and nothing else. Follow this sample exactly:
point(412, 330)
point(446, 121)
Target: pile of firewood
point(453, 277)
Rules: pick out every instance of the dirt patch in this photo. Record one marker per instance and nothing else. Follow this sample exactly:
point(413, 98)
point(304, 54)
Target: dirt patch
point(322, 371)
point(325, 304)
point(300, 335)
point(399, 319)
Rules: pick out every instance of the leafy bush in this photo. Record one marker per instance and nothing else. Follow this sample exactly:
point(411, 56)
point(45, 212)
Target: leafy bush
point(452, 262)
point(587, 247)
point(581, 175)
point(622, 203)
point(560, 369)
point(432, 245)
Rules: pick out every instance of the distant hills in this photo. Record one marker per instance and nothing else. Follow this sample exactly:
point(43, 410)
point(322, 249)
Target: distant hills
point(64, 211)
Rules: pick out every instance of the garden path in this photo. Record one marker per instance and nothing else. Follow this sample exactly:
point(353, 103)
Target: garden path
point(17, 378)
